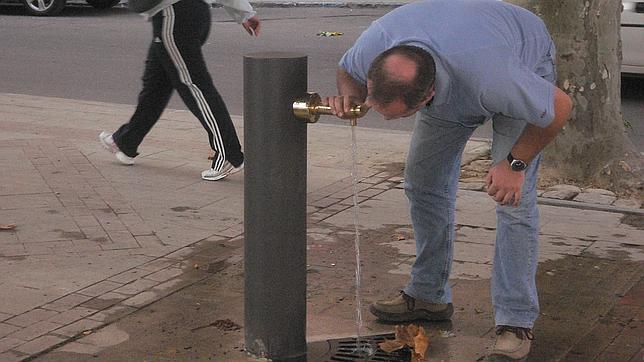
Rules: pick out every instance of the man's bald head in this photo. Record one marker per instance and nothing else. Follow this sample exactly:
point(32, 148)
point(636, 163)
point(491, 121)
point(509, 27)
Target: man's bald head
point(403, 72)
point(400, 68)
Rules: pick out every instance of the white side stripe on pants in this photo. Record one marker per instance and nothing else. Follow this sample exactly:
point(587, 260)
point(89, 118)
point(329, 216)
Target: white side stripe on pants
point(184, 75)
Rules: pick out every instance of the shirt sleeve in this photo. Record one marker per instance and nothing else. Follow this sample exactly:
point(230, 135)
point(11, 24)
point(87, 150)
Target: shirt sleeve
point(357, 60)
point(520, 93)
point(238, 10)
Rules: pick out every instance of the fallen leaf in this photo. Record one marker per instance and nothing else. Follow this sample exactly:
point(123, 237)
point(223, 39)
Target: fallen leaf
point(625, 166)
point(329, 33)
point(400, 237)
point(221, 324)
point(8, 227)
point(421, 342)
point(447, 334)
point(403, 335)
point(390, 345)
point(227, 325)
point(410, 336)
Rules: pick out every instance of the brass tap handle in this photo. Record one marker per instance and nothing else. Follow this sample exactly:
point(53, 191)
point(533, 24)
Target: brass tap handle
point(309, 109)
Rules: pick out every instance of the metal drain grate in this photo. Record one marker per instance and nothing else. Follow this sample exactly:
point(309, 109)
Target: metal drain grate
point(344, 350)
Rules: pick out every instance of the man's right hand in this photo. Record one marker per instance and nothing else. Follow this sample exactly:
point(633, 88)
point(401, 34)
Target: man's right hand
point(341, 105)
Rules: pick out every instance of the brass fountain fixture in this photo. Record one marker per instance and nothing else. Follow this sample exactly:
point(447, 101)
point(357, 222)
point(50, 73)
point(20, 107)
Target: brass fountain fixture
point(309, 109)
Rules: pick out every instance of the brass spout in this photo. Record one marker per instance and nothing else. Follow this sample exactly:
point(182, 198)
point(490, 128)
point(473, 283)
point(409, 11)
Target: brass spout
point(309, 109)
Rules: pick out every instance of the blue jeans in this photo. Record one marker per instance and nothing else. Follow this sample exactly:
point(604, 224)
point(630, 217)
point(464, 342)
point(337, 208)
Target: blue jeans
point(431, 182)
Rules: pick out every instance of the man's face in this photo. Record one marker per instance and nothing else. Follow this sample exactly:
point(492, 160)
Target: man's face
point(397, 108)
point(394, 110)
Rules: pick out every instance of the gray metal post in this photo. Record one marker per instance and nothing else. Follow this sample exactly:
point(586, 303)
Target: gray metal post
point(274, 207)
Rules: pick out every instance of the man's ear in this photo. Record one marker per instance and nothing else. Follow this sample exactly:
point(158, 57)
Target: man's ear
point(430, 96)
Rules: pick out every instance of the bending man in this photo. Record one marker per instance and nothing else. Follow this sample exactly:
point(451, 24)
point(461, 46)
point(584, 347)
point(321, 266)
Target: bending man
point(458, 63)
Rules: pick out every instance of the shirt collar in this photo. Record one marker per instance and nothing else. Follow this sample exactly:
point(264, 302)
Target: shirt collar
point(442, 82)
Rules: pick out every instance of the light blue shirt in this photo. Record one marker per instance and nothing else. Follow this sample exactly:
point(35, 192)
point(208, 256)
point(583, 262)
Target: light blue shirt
point(491, 58)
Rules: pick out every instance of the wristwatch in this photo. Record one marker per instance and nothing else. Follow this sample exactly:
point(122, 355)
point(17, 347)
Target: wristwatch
point(516, 164)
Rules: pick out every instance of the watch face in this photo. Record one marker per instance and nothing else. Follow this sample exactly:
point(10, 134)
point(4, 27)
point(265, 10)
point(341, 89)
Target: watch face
point(518, 165)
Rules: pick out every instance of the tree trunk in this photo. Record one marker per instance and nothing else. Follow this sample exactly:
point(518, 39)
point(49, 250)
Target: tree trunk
point(593, 148)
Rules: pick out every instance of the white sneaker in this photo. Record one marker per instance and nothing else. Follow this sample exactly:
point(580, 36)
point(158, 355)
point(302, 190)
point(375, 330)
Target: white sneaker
point(212, 175)
point(108, 142)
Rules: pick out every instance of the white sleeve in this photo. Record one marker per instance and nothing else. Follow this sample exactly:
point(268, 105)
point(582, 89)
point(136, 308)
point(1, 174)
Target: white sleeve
point(239, 10)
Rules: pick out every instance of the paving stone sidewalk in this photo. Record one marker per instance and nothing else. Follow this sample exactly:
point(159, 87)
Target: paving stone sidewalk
point(96, 245)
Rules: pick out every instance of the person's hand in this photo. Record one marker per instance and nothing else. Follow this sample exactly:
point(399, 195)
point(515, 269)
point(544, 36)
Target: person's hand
point(252, 26)
point(341, 105)
point(504, 185)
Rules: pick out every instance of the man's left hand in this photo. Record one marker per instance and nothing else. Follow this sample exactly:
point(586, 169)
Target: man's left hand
point(504, 185)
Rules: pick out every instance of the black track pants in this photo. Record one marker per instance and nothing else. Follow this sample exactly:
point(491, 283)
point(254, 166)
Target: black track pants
point(175, 61)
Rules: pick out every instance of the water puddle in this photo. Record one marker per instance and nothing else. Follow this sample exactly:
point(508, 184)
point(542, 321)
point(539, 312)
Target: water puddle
point(96, 342)
point(363, 347)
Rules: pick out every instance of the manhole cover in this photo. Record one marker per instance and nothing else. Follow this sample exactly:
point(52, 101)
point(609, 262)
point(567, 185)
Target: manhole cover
point(345, 350)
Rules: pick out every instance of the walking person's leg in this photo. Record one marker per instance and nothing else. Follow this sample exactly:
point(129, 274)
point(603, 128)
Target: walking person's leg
point(153, 98)
point(185, 28)
point(431, 182)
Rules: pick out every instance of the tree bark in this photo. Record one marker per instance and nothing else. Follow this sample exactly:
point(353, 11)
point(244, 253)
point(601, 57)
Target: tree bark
point(593, 148)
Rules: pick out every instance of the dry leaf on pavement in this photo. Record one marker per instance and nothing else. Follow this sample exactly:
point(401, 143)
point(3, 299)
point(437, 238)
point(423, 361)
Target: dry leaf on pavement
point(406, 334)
point(421, 344)
point(410, 336)
point(390, 345)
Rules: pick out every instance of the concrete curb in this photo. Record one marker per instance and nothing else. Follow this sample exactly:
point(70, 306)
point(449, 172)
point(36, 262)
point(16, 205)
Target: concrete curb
point(587, 206)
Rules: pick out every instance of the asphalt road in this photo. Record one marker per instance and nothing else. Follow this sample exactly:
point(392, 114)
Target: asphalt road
point(98, 55)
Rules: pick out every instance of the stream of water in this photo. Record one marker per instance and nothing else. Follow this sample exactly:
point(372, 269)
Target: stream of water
point(363, 348)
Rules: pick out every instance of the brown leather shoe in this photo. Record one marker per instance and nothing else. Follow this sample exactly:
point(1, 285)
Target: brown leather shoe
point(405, 308)
point(512, 344)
